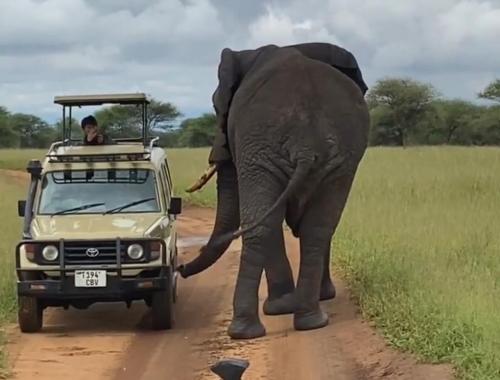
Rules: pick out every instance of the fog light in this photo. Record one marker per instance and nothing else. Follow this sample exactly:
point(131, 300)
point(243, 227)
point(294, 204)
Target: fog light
point(145, 284)
point(50, 253)
point(38, 287)
point(135, 251)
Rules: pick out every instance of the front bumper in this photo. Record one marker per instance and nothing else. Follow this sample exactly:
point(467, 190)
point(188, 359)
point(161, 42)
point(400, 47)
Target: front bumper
point(117, 289)
point(152, 278)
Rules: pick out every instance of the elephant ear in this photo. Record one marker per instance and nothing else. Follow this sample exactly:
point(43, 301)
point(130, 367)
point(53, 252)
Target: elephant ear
point(233, 67)
point(333, 55)
point(228, 84)
point(229, 78)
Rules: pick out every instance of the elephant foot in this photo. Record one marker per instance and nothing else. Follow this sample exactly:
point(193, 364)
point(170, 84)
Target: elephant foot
point(327, 291)
point(279, 306)
point(311, 320)
point(244, 328)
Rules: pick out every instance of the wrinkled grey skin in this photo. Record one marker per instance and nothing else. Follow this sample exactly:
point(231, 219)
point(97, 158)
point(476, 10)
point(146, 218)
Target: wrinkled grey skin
point(296, 131)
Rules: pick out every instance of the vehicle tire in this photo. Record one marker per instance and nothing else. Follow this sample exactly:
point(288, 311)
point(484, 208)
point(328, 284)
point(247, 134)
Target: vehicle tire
point(162, 309)
point(30, 314)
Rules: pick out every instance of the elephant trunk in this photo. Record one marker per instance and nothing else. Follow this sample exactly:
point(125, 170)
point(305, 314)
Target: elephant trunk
point(227, 221)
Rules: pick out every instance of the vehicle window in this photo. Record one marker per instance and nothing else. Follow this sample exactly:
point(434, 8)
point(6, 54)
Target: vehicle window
point(99, 191)
point(165, 184)
point(167, 173)
point(161, 186)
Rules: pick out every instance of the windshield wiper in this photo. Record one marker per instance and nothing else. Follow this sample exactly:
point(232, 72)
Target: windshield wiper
point(120, 208)
point(79, 208)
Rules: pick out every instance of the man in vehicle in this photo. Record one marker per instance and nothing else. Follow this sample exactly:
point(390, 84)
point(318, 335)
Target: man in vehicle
point(91, 133)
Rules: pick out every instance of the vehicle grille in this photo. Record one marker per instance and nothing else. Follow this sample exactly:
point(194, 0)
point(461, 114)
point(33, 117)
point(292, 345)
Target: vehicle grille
point(75, 253)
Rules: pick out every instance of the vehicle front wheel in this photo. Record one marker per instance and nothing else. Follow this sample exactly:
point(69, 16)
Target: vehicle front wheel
point(30, 314)
point(162, 309)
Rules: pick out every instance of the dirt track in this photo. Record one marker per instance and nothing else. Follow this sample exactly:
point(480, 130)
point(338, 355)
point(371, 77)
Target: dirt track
point(111, 342)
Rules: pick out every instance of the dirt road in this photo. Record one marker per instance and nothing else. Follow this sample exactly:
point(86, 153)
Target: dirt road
point(111, 342)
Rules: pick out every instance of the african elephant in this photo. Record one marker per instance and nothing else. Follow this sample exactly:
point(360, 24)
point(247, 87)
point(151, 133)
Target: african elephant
point(293, 128)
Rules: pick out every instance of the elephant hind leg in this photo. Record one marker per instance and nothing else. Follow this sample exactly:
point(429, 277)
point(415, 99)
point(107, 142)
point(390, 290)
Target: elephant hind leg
point(293, 220)
point(327, 291)
point(317, 228)
point(258, 192)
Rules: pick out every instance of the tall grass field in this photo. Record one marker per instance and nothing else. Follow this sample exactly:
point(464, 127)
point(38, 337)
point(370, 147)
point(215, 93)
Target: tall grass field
point(419, 244)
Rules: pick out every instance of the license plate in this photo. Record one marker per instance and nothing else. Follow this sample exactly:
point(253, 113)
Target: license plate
point(90, 278)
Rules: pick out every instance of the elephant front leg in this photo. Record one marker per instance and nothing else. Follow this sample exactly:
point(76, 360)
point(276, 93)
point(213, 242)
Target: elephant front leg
point(280, 284)
point(279, 276)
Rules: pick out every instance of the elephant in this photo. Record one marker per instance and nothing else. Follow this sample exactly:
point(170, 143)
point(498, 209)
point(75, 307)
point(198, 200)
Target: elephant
point(292, 128)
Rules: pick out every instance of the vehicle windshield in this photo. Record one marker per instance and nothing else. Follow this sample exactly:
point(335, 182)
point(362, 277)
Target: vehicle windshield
point(98, 192)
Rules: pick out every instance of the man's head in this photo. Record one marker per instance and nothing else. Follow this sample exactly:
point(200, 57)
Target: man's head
point(89, 125)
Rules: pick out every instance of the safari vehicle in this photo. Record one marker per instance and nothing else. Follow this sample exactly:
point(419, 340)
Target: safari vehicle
point(99, 224)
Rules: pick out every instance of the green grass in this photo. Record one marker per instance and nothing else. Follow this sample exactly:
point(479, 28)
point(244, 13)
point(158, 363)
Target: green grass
point(10, 227)
point(16, 159)
point(419, 244)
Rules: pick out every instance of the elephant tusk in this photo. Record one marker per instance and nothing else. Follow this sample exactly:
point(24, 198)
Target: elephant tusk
point(202, 181)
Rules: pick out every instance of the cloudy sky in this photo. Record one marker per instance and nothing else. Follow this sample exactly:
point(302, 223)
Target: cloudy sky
point(170, 48)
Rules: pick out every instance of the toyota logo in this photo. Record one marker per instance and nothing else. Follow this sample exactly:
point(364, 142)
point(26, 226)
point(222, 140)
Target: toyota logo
point(92, 252)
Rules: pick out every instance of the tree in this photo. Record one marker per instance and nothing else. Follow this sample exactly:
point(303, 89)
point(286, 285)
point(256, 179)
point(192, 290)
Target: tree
point(404, 102)
point(9, 137)
point(33, 132)
point(454, 118)
point(486, 128)
point(126, 121)
point(76, 130)
point(492, 91)
point(198, 132)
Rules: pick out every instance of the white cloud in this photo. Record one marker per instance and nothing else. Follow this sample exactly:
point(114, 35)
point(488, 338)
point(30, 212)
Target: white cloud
point(170, 48)
point(275, 27)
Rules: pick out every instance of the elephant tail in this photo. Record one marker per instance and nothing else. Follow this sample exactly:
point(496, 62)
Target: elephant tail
point(298, 177)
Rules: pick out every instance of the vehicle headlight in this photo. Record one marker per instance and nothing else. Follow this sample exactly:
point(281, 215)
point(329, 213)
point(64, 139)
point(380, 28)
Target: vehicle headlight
point(50, 253)
point(135, 251)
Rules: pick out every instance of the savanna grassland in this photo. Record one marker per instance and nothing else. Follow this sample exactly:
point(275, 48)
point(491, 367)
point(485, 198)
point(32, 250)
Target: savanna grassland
point(10, 227)
point(419, 244)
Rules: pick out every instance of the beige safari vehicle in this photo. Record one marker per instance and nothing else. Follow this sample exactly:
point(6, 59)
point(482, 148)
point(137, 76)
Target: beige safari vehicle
point(99, 224)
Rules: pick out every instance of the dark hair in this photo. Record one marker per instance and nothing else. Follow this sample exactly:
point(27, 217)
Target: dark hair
point(89, 120)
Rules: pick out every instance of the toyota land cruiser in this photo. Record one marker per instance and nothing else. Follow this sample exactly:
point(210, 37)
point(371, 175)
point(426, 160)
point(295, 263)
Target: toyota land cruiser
point(99, 224)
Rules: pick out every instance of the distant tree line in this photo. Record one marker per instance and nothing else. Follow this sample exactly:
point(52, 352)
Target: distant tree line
point(406, 112)
point(403, 112)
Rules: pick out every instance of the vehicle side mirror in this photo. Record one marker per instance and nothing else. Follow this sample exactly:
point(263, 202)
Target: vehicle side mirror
point(21, 207)
point(175, 206)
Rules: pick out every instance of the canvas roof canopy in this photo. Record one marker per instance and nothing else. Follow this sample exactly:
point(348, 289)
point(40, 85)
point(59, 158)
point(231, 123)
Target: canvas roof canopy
point(97, 100)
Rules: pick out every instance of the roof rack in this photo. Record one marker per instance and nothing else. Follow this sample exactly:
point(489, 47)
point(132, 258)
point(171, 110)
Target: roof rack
point(70, 101)
point(69, 156)
point(97, 100)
